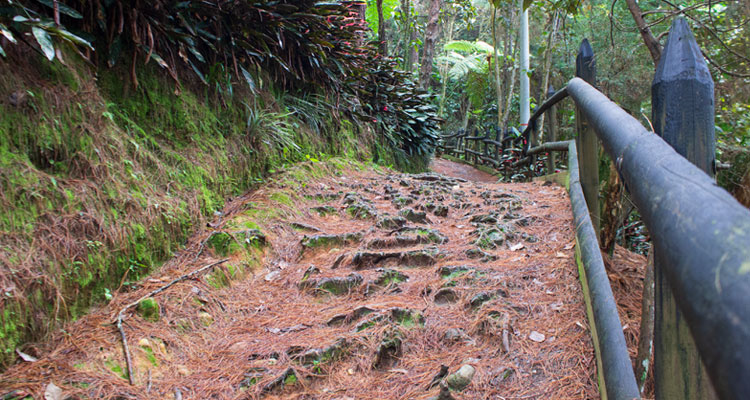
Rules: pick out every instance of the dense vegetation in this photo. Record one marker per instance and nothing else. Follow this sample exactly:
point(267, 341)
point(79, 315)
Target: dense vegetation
point(128, 124)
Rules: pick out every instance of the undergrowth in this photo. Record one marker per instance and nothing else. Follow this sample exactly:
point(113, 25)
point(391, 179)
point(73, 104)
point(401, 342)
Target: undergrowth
point(100, 183)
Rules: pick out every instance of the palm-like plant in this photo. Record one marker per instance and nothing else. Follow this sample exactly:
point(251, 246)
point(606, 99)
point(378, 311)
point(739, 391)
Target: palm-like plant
point(468, 62)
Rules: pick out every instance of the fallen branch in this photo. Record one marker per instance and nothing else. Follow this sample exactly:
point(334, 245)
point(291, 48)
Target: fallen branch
point(118, 321)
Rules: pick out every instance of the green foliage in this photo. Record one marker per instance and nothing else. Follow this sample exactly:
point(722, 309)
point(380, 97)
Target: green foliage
point(17, 20)
point(308, 46)
point(460, 65)
point(403, 113)
point(371, 14)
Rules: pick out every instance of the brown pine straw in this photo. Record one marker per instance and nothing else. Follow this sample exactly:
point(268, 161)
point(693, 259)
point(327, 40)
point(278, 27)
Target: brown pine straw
point(121, 314)
point(259, 319)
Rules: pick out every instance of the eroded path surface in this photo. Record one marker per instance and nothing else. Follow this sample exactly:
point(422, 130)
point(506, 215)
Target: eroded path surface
point(345, 282)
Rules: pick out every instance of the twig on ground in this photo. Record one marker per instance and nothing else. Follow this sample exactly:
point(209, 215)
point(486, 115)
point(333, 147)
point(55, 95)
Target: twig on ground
point(119, 319)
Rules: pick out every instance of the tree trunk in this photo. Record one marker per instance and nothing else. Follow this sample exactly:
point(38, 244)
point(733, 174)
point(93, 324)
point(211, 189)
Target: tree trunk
point(444, 67)
point(381, 30)
point(430, 36)
point(498, 87)
point(467, 113)
point(653, 45)
point(512, 82)
point(509, 74)
point(547, 68)
point(410, 36)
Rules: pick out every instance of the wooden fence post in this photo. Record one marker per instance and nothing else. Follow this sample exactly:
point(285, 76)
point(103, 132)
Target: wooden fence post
point(586, 141)
point(682, 96)
point(551, 131)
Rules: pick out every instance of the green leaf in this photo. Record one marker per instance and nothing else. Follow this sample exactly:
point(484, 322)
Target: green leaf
point(160, 61)
point(70, 37)
point(197, 72)
point(45, 42)
point(248, 78)
point(527, 4)
point(197, 54)
point(8, 35)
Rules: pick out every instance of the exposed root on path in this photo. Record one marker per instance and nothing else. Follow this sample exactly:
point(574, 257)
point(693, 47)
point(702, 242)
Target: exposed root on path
point(344, 282)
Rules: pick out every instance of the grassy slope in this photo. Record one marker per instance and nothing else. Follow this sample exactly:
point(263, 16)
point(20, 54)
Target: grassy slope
point(100, 183)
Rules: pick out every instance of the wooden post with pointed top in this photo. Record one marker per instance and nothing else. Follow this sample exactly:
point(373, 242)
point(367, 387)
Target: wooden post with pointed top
point(682, 96)
point(586, 141)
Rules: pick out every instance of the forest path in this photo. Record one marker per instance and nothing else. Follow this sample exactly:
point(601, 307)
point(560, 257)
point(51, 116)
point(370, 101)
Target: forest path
point(344, 281)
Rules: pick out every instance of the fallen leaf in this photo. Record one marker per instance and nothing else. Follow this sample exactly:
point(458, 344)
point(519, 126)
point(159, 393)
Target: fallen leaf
point(560, 255)
point(26, 357)
point(517, 247)
point(53, 392)
point(272, 275)
point(570, 246)
point(536, 336)
point(399, 370)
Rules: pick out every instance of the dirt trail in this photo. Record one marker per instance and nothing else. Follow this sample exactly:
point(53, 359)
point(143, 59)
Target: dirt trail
point(459, 170)
point(345, 282)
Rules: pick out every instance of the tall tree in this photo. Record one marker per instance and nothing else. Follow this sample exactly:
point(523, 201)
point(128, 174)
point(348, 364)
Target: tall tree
point(498, 86)
point(430, 36)
point(444, 67)
point(410, 35)
point(552, 29)
point(381, 30)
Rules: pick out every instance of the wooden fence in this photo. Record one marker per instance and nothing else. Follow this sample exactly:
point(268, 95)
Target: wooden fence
point(700, 233)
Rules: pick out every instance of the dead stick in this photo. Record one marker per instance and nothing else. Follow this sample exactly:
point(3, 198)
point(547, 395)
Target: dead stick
point(506, 335)
point(118, 321)
point(125, 349)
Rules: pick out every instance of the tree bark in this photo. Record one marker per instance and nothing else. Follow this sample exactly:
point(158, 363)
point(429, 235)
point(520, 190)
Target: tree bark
point(512, 82)
point(444, 67)
point(430, 36)
point(547, 68)
point(381, 30)
point(509, 74)
point(410, 35)
point(653, 45)
point(498, 87)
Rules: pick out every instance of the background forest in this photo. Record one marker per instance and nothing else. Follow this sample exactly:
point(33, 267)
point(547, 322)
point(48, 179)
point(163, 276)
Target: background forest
point(130, 123)
point(475, 65)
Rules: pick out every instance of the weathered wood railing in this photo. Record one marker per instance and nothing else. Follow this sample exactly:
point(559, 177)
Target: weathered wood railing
point(495, 149)
point(700, 233)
